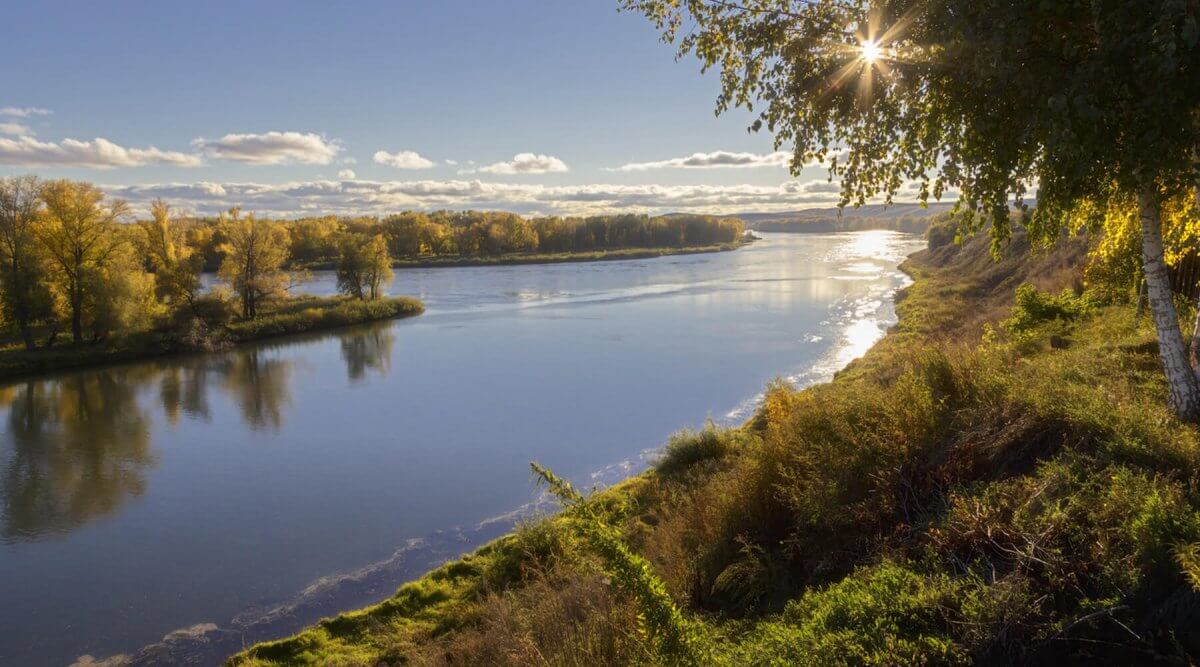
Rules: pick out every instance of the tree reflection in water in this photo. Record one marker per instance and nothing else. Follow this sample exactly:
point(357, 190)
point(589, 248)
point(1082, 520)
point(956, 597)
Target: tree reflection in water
point(368, 350)
point(79, 447)
point(76, 448)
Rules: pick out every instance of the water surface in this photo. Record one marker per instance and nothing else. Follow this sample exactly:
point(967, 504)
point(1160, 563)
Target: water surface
point(229, 497)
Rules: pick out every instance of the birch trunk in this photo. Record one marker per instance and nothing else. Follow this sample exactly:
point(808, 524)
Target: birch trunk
point(1182, 382)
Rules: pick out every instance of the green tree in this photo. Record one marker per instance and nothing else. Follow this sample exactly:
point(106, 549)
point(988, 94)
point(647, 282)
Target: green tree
point(79, 235)
point(1083, 100)
point(255, 251)
point(364, 266)
point(176, 265)
point(23, 276)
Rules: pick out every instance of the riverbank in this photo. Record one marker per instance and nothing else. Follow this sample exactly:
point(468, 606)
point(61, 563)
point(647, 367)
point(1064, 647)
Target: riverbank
point(303, 314)
point(545, 258)
point(989, 483)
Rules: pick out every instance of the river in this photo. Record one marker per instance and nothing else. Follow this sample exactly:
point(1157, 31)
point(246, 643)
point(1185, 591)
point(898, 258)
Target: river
point(214, 500)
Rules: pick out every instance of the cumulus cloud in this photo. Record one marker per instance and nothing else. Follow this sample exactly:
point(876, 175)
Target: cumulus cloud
point(721, 160)
point(403, 160)
point(25, 151)
point(16, 129)
point(349, 197)
point(347, 175)
point(271, 148)
point(527, 163)
point(23, 112)
point(713, 160)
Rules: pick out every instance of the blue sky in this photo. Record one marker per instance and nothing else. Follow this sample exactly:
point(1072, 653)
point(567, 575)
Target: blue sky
point(303, 107)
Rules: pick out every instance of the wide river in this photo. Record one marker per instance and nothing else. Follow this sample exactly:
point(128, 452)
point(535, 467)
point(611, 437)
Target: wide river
point(177, 509)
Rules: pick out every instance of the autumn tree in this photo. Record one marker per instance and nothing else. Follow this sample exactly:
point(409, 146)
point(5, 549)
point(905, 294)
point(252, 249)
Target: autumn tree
point(79, 236)
point(254, 254)
point(364, 266)
point(176, 264)
point(1083, 101)
point(23, 280)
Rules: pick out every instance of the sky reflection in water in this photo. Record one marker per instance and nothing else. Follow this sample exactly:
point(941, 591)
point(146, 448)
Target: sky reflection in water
point(147, 497)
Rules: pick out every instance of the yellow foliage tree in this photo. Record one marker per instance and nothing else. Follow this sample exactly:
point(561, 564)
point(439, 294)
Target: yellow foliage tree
point(255, 251)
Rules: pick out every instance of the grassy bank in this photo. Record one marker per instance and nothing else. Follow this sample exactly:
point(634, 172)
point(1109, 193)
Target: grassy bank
point(544, 258)
point(290, 316)
point(998, 481)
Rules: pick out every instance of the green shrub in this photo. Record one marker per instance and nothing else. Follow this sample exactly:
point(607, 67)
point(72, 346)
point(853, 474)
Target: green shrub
point(687, 448)
point(532, 551)
point(882, 615)
point(1034, 307)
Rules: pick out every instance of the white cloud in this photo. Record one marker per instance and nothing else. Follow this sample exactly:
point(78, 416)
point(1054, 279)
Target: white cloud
point(452, 163)
point(25, 151)
point(348, 197)
point(713, 160)
point(527, 163)
point(347, 175)
point(722, 160)
point(24, 112)
point(403, 160)
point(271, 148)
point(16, 129)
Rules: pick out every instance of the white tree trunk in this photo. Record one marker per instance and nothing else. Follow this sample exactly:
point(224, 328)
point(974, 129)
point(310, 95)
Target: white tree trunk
point(1182, 382)
point(1196, 341)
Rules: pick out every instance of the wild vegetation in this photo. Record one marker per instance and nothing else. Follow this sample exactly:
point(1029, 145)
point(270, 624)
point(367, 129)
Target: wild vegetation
point(70, 265)
point(999, 481)
point(1009, 477)
point(474, 237)
point(1093, 106)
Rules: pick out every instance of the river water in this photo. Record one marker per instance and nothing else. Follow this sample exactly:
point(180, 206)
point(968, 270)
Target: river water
point(174, 510)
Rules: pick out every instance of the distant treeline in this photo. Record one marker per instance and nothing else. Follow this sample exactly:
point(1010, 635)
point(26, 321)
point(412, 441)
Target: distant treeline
point(314, 241)
point(818, 225)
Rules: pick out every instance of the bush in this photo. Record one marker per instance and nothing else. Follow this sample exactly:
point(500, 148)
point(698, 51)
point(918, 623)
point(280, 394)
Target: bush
point(1034, 307)
point(882, 615)
point(941, 233)
point(214, 309)
point(533, 551)
point(687, 448)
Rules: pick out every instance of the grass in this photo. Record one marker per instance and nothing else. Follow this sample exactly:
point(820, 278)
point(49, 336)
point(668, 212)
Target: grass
point(284, 317)
point(304, 314)
point(998, 481)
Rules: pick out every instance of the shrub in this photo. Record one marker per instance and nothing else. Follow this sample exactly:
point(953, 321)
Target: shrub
point(534, 550)
point(687, 448)
point(882, 615)
point(1034, 307)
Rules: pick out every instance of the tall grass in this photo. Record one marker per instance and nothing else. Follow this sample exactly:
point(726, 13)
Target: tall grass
point(1024, 498)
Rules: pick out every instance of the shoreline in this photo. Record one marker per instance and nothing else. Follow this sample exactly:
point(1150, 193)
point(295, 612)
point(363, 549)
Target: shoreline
point(436, 569)
point(616, 254)
point(17, 364)
point(295, 316)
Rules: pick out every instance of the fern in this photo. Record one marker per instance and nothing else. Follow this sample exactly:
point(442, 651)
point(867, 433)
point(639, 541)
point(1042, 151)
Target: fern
point(676, 640)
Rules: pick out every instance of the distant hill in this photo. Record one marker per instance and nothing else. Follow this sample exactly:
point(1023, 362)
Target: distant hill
point(900, 217)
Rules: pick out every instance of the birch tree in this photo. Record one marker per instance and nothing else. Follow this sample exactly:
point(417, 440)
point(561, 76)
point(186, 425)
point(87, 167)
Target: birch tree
point(987, 99)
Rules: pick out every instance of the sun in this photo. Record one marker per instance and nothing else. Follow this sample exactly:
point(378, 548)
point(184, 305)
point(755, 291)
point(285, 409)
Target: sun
point(870, 51)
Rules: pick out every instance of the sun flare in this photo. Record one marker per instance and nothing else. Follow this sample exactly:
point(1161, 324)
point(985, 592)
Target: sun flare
point(870, 51)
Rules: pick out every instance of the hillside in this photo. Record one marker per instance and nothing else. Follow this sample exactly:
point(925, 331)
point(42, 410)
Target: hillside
point(899, 217)
point(998, 481)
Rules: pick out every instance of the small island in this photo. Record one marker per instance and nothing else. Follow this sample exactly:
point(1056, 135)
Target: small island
point(83, 281)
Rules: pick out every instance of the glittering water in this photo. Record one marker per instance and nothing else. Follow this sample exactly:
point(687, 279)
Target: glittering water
point(223, 499)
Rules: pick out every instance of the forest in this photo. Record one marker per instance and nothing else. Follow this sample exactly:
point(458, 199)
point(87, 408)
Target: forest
point(414, 235)
point(77, 271)
point(76, 267)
